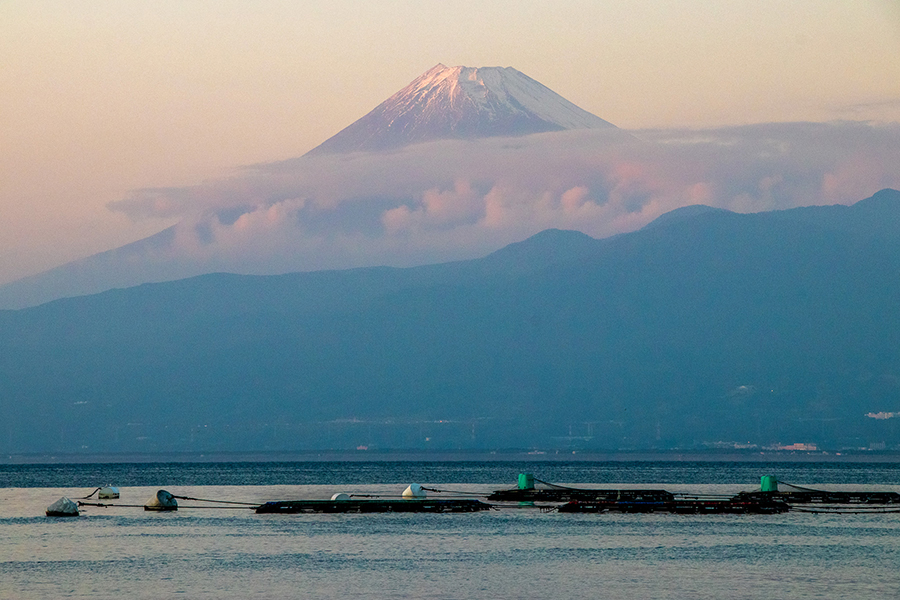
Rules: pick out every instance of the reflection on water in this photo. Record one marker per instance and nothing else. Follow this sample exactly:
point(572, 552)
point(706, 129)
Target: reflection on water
point(514, 553)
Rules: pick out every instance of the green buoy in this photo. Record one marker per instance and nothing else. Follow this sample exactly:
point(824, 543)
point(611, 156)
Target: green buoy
point(526, 481)
point(768, 483)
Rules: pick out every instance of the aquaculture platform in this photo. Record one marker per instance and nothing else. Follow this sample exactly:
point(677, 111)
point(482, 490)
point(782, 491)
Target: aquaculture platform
point(564, 494)
point(679, 506)
point(547, 498)
point(825, 497)
point(371, 506)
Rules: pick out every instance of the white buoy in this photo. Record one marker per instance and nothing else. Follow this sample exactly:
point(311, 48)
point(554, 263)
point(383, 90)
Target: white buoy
point(340, 497)
point(414, 491)
point(62, 508)
point(108, 493)
point(163, 500)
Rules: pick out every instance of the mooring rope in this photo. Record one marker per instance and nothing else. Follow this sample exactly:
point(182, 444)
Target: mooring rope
point(800, 487)
point(110, 505)
point(462, 493)
point(217, 501)
point(179, 507)
point(92, 493)
point(562, 487)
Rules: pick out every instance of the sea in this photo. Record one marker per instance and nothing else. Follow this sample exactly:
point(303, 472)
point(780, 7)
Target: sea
point(215, 550)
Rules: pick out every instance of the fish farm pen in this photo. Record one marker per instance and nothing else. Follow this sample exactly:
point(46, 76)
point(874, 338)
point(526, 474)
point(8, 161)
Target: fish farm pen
point(371, 506)
point(549, 497)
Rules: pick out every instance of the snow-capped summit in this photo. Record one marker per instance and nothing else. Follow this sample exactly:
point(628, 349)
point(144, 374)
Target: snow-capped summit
point(462, 103)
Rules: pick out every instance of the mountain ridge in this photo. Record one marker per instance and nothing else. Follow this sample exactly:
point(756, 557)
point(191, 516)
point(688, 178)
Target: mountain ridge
point(635, 341)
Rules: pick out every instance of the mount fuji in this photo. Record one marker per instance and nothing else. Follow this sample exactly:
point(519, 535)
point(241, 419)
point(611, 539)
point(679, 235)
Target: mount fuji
point(461, 103)
point(444, 104)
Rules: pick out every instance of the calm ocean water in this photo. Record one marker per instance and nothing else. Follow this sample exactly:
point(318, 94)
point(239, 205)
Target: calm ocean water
point(511, 553)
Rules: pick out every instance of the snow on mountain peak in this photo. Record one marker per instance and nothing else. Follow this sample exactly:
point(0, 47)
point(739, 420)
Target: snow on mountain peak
point(462, 103)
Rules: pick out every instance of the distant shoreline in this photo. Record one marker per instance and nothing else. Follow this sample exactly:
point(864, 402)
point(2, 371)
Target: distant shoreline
point(452, 456)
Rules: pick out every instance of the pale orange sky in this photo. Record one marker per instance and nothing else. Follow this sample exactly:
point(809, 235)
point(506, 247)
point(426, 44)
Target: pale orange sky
point(103, 97)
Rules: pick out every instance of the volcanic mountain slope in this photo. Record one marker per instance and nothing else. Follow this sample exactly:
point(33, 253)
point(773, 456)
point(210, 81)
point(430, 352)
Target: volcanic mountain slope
point(461, 103)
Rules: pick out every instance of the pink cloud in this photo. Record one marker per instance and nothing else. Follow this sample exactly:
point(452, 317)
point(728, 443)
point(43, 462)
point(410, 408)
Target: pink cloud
point(459, 199)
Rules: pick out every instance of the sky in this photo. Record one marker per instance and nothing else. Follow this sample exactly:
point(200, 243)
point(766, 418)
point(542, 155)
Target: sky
point(103, 101)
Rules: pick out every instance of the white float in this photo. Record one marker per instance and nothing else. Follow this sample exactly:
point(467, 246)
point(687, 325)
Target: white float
point(62, 508)
point(413, 492)
point(163, 500)
point(108, 492)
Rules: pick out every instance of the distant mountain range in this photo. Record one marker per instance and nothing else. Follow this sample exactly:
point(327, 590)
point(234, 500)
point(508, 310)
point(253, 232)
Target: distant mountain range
point(461, 103)
point(705, 327)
